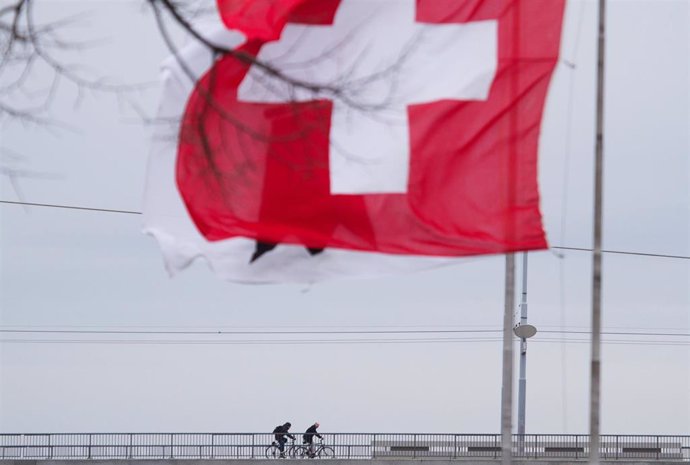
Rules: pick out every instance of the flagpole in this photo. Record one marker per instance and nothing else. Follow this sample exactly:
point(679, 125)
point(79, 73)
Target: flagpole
point(595, 379)
point(509, 299)
point(507, 382)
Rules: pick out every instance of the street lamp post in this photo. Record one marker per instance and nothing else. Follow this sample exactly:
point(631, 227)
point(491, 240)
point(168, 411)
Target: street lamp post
point(524, 331)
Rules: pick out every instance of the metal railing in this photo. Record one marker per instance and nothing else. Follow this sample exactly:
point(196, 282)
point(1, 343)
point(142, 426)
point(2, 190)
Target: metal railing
point(139, 446)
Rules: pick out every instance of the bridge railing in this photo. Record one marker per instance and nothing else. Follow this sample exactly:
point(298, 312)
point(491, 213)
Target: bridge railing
point(138, 446)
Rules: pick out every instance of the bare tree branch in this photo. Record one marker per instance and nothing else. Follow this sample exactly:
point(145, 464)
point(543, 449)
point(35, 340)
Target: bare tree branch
point(27, 50)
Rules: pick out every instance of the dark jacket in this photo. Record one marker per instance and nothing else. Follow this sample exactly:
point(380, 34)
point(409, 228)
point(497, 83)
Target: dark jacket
point(309, 434)
point(282, 431)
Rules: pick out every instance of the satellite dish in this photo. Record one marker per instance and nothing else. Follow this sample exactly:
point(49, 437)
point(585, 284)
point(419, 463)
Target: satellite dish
point(525, 331)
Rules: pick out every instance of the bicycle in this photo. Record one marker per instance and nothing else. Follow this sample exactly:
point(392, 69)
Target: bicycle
point(320, 451)
point(273, 451)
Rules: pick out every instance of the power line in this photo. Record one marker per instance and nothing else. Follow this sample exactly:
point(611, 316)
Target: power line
point(71, 207)
point(290, 334)
point(247, 342)
point(617, 333)
point(326, 341)
point(131, 212)
point(320, 332)
point(623, 252)
point(222, 332)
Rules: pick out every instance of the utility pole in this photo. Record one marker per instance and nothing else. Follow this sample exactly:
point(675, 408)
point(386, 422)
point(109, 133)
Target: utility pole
point(524, 331)
point(507, 378)
point(522, 383)
point(595, 365)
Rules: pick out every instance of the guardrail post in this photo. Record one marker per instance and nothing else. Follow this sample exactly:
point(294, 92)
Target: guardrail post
point(253, 444)
point(171, 445)
point(373, 447)
point(534, 447)
point(89, 450)
point(617, 446)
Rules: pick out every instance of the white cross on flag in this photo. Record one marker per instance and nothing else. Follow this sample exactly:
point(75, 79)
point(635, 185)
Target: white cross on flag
point(355, 137)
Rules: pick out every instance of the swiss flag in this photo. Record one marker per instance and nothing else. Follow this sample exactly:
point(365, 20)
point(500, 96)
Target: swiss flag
point(392, 127)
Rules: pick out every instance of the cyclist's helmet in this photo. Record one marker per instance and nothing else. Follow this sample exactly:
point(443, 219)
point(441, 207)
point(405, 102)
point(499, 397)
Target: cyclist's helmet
point(288, 424)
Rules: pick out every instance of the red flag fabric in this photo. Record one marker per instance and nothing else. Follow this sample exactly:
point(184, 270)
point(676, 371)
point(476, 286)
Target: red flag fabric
point(405, 127)
point(265, 19)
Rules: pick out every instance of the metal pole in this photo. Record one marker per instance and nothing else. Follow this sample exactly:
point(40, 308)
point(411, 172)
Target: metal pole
point(595, 380)
point(522, 386)
point(507, 383)
point(509, 300)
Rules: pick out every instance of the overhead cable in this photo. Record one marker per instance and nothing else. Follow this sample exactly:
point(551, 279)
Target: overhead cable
point(131, 212)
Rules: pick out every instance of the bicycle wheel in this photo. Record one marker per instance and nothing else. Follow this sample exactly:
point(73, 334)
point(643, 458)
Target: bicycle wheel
point(272, 452)
point(326, 453)
point(299, 452)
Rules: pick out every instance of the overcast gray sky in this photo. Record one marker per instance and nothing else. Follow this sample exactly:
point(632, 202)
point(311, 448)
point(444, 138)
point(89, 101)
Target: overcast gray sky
point(68, 269)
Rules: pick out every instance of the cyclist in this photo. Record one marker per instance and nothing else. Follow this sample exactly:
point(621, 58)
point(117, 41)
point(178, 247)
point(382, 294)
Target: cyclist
point(279, 433)
point(308, 437)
